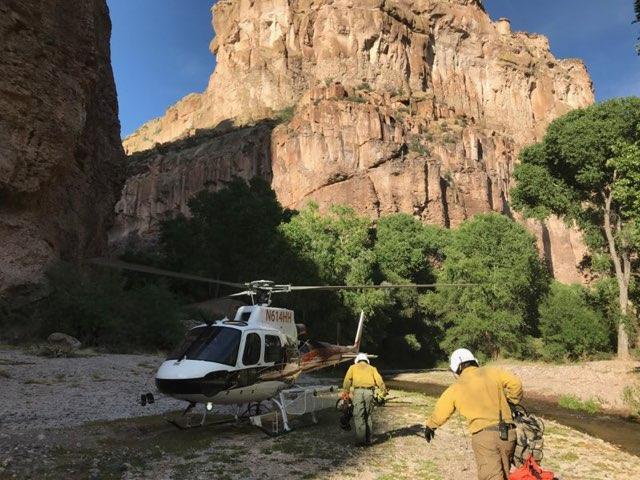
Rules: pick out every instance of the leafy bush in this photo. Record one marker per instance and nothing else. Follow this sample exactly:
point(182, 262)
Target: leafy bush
point(100, 311)
point(570, 327)
point(285, 115)
point(495, 314)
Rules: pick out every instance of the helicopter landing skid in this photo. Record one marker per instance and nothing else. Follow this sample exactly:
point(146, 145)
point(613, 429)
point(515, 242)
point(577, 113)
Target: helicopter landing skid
point(185, 422)
point(294, 402)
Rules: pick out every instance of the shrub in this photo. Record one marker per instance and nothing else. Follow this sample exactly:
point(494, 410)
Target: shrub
point(631, 398)
point(494, 315)
point(100, 311)
point(570, 327)
point(285, 115)
point(357, 99)
point(415, 145)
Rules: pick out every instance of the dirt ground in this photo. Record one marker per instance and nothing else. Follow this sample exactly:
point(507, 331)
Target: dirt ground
point(41, 437)
point(603, 381)
point(149, 448)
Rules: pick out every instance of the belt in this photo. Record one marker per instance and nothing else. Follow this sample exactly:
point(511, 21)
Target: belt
point(364, 388)
point(495, 428)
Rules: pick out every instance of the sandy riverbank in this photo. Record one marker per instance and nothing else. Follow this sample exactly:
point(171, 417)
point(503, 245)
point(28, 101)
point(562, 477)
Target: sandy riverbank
point(603, 381)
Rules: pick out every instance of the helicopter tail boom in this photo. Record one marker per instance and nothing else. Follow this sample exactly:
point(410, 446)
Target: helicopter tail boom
point(356, 343)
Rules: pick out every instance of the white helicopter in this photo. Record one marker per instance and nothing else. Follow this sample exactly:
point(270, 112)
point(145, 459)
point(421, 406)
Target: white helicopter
point(251, 358)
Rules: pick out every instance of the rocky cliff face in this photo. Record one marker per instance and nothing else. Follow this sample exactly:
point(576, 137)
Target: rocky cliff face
point(418, 106)
point(61, 159)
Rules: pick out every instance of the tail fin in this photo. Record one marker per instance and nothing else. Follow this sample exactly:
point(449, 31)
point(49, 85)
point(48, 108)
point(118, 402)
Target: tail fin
point(356, 343)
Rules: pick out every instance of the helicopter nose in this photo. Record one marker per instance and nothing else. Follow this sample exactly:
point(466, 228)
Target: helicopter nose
point(215, 382)
point(208, 385)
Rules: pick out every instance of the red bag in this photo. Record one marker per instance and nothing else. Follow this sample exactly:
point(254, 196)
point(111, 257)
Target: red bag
point(530, 470)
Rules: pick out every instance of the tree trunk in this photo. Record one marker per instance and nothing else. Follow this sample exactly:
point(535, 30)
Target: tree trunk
point(623, 338)
point(623, 271)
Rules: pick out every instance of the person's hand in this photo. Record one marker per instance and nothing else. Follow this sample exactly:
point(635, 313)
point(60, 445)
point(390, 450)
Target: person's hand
point(345, 396)
point(429, 433)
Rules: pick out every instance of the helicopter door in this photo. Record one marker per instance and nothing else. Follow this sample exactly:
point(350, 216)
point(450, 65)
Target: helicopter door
point(273, 351)
point(252, 349)
point(251, 359)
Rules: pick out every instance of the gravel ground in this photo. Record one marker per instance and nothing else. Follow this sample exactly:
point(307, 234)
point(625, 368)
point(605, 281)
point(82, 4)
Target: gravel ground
point(77, 418)
point(603, 381)
point(40, 392)
point(149, 449)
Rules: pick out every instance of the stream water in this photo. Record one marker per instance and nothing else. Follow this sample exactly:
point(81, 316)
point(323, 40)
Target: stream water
point(615, 429)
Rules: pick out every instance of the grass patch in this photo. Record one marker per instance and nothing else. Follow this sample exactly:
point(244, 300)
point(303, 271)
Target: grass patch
point(574, 403)
point(631, 398)
point(569, 457)
point(416, 145)
point(429, 471)
point(448, 138)
point(356, 99)
point(37, 381)
point(285, 115)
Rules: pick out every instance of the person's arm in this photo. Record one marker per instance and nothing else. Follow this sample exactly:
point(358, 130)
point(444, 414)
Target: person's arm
point(445, 406)
point(512, 386)
point(378, 379)
point(348, 380)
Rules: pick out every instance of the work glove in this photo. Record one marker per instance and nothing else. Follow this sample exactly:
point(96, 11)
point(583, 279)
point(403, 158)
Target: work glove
point(429, 433)
point(517, 412)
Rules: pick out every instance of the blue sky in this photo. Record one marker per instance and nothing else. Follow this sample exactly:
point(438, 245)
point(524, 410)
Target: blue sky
point(160, 48)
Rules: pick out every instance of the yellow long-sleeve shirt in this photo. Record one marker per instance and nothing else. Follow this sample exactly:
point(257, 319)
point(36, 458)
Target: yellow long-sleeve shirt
point(479, 395)
point(362, 375)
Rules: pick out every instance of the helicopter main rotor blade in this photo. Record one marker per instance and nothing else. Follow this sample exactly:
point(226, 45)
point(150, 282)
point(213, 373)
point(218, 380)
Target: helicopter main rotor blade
point(381, 287)
point(120, 265)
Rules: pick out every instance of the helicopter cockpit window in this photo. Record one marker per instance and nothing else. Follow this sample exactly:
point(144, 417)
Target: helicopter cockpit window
point(252, 349)
point(211, 344)
point(272, 349)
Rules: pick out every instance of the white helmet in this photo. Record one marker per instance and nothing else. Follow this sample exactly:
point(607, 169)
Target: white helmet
point(460, 356)
point(361, 357)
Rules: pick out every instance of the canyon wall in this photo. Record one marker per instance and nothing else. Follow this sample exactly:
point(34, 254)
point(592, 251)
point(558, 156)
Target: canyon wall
point(61, 159)
point(417, 106)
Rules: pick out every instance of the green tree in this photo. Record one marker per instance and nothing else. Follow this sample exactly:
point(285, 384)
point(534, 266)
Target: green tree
point(102, 310)
point(407, 251)
point(340, 246)
point(494, 316)
point(571, 328)
point(586, 170)
point(232, 234)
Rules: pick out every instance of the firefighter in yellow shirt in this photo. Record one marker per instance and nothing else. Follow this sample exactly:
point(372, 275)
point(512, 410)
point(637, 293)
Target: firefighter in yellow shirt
point(481, 395)
point(366, 382)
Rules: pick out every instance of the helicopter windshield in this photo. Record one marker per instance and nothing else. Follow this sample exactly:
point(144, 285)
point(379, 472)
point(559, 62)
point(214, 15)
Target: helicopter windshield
point(210, 344)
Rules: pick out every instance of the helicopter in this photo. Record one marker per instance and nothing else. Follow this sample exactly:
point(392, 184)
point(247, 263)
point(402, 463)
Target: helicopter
point(252, 357)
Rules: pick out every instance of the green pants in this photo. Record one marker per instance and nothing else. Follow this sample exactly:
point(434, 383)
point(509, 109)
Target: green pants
point(362, 413)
